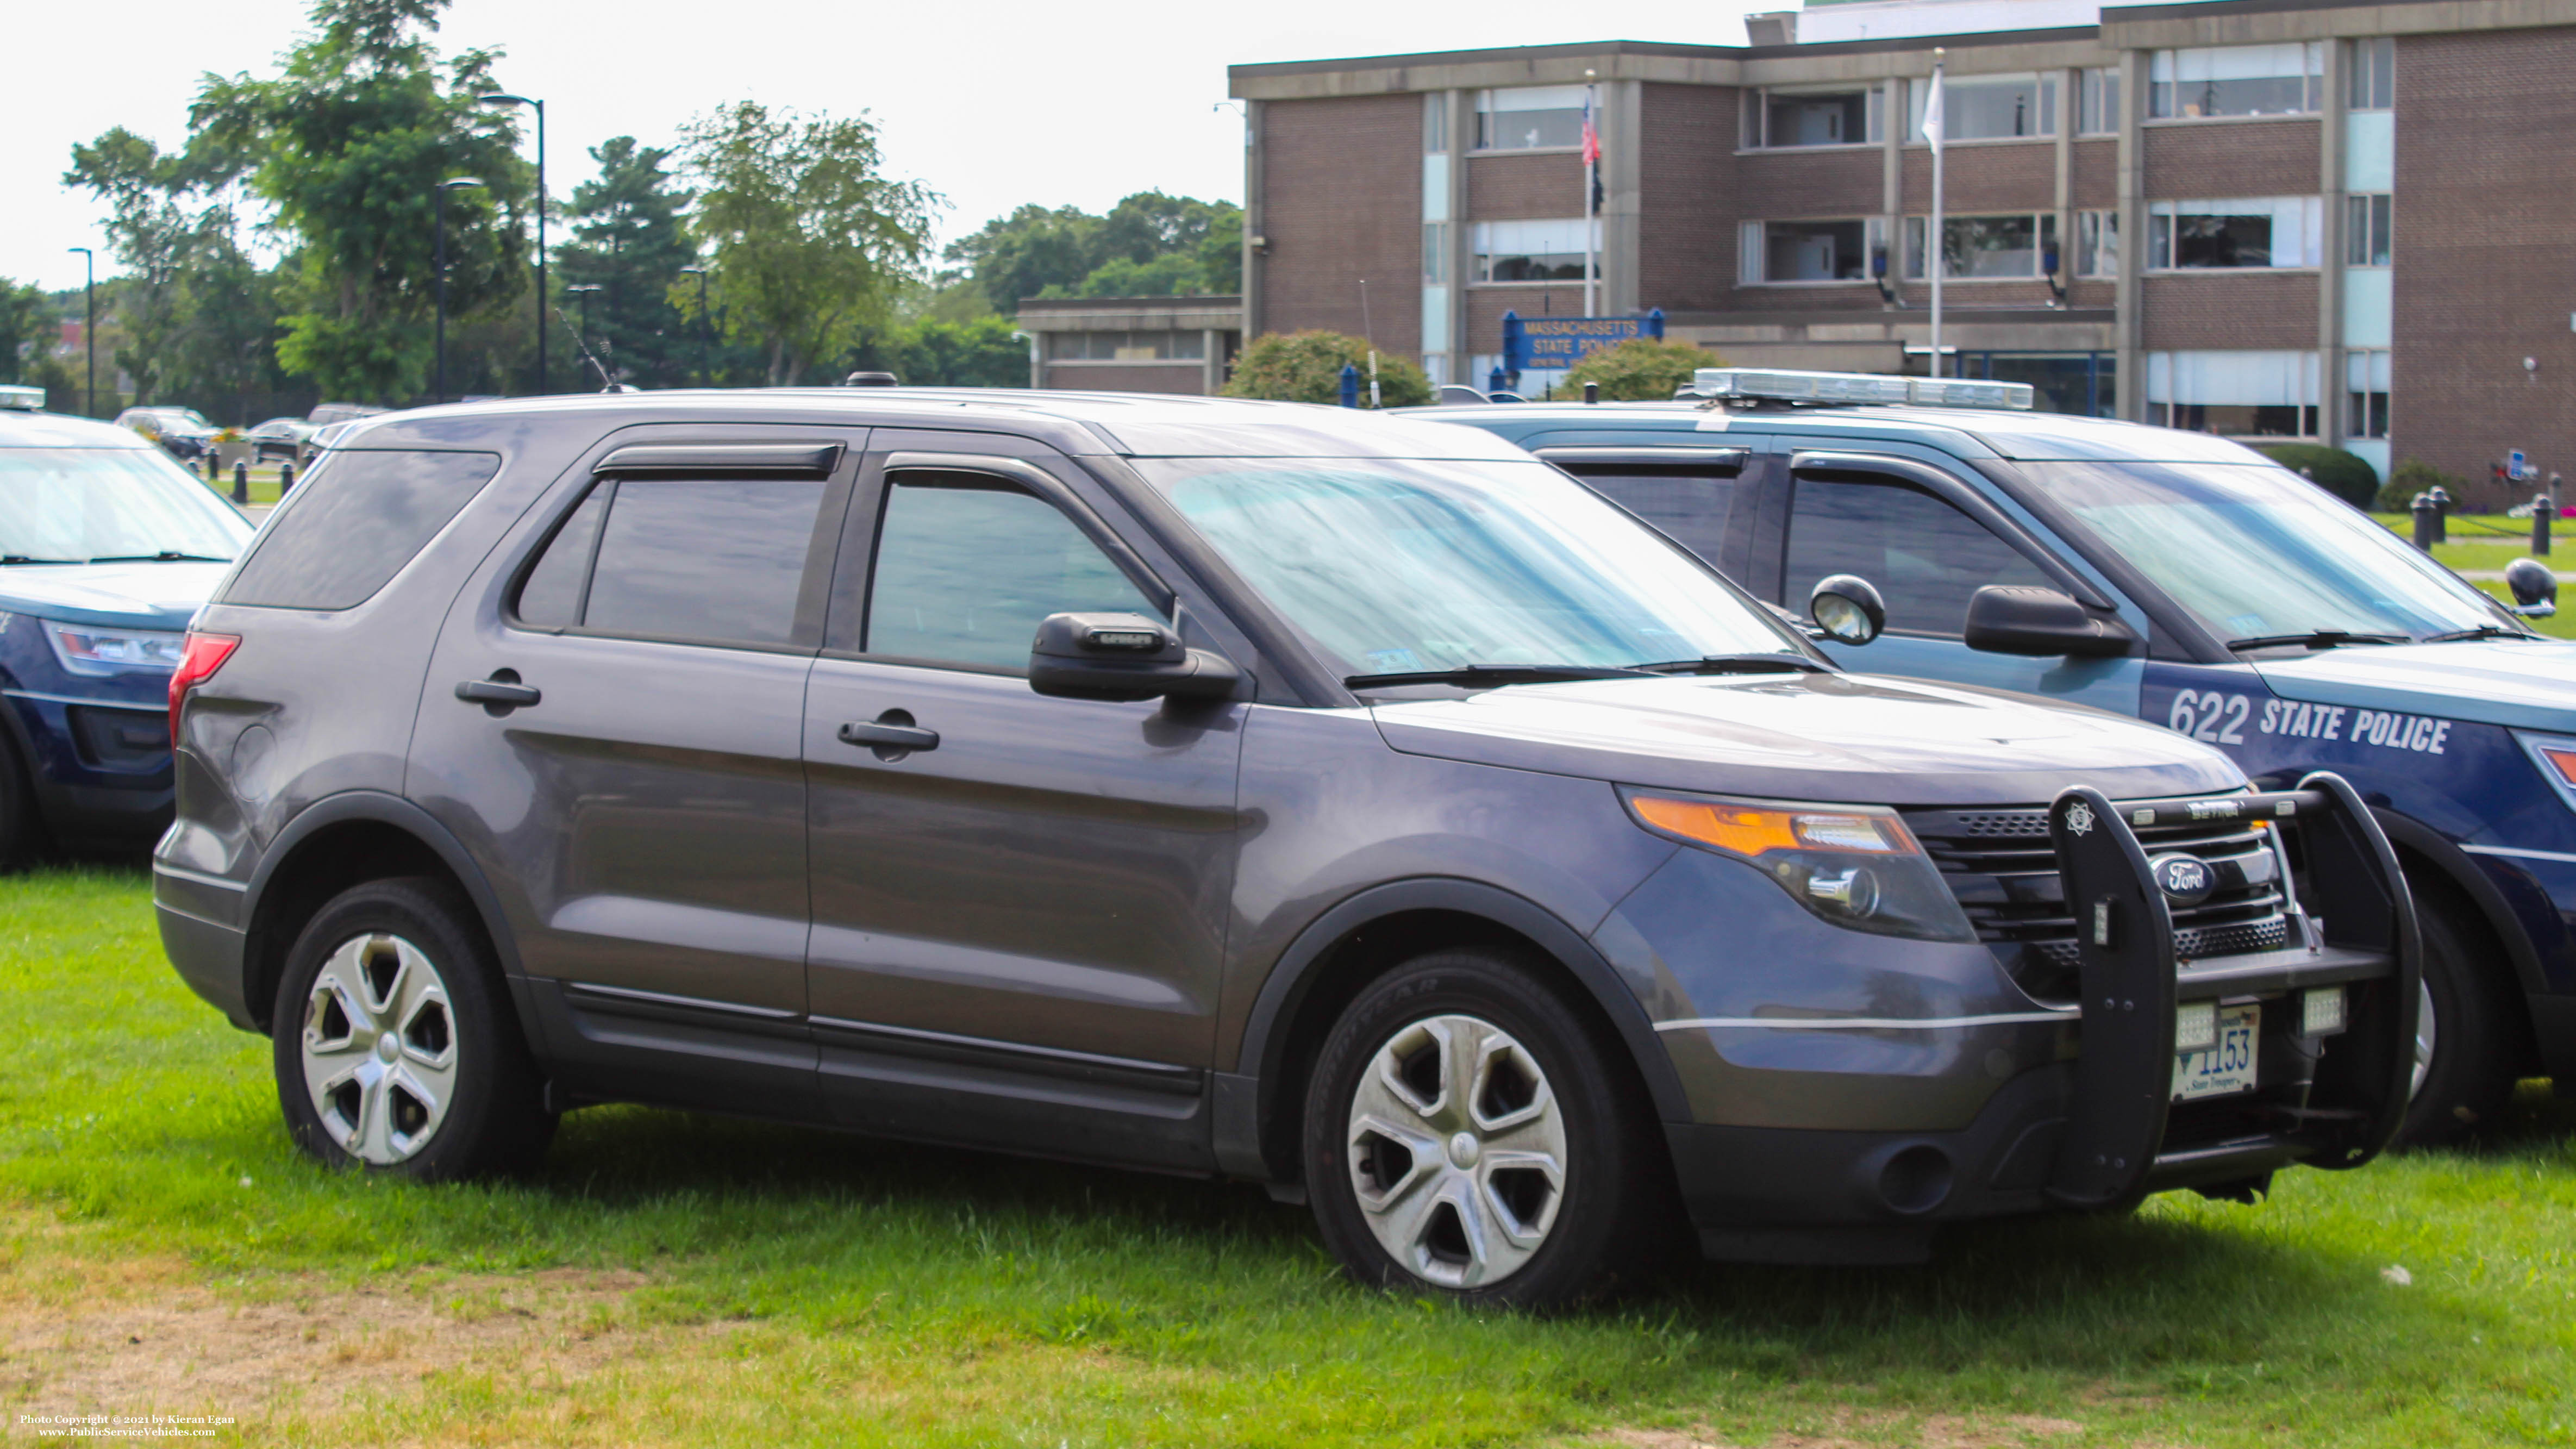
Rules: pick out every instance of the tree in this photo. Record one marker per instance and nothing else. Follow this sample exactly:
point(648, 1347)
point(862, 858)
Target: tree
point(2347, 476)
point(28, 328)
point(1641, 369)
point(984, 351)
point(1025, 253)
point(349, 144)
point(157, 235)
point(629, 239)
point(1307, 367)
point(1149, 245)
point(1174, 274)
point(805, 235)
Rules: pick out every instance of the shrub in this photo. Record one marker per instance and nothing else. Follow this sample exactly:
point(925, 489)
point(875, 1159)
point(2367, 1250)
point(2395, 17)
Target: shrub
point(1307, 367)
point(2410, 478)
point(1641, 369)
point(2345, 475)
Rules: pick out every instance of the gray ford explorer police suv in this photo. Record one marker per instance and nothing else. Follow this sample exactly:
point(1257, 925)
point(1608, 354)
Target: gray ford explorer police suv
point(1350, 804)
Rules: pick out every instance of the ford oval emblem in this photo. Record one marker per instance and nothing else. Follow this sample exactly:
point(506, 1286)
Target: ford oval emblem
point(2185, 879)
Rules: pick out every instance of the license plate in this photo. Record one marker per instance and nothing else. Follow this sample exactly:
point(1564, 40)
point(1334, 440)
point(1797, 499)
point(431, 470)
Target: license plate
point(2226, 1067)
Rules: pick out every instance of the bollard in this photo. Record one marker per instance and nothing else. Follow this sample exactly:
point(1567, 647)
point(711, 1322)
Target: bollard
point(241, 482)
point(2543, 508)
point(2423, 507)
point(1591, 393)
point(214, 467)
point(1496, 382)
point(2441, 513)
point(1350, 384)
point(285, 479)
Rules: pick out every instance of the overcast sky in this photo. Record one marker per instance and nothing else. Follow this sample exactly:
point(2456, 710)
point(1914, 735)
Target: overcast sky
point(993, 104)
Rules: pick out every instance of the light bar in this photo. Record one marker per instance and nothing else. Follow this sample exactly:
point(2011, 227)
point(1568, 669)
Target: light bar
point(23, 399)
point(1781, 385)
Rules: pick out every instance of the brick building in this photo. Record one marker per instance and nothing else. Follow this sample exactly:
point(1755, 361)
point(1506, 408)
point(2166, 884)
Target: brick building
point(2277, 219)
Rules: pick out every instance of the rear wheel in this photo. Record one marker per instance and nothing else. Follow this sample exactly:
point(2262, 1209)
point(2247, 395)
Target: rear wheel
point(1467, 1136)
point(394, 1049)
point(2466, 1041)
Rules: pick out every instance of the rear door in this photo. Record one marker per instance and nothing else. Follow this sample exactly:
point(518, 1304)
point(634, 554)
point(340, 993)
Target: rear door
point(1019, 926)
point(612, 721)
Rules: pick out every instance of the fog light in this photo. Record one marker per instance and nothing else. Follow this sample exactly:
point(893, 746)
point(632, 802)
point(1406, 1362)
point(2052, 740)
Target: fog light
point(1853, 893)
point(2321, 1011)
point(2195, 1026)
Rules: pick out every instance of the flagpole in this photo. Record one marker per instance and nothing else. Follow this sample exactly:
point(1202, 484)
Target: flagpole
point(1935, 254)
point(1591, 189)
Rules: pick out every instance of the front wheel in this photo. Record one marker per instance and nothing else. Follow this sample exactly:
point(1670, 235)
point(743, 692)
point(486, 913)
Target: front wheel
point(1467, 1136)
point(394, 1049)
point(2465, 1041)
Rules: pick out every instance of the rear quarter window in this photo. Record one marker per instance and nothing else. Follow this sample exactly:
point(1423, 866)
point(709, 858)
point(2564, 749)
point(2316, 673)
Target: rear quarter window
point(367, 514)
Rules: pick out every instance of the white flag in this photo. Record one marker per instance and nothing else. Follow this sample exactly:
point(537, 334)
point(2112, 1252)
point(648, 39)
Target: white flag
point(1932, 113)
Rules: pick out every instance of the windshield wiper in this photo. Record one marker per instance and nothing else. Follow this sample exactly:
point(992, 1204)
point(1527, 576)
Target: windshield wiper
point(20, 558)
point(1474, 674)
point(167, 555)
point(2482, 631)
point(2319, 639)
point(1758, 663)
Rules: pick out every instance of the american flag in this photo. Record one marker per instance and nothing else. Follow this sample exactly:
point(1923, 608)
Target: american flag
point(1591, 133)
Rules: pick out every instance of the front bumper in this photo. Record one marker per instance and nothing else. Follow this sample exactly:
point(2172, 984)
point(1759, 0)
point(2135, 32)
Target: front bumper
point(2100, 1128)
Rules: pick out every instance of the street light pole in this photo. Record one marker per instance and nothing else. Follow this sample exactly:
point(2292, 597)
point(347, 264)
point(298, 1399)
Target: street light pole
point(89, 329)
point(439, 388)
point(704, 325)
point(543, 298)
point(581, 344)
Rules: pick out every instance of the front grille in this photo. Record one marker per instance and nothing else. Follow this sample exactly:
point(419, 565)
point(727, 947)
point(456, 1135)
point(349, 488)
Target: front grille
point(2001, 867)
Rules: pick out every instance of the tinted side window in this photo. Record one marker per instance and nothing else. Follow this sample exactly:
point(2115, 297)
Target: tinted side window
point(550, 598)
point(365, 516)
point(967, 568)
point(721, 561)
point(1925, 556)
point(1691, 507)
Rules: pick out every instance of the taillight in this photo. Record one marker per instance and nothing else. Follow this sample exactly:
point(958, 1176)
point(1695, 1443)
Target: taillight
point(205, 654)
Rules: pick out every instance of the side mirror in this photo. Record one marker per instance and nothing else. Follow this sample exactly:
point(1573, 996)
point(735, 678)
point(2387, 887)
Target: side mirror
point(1847, 607)
point(2024, 619)
point(2535, 588)
point(1122, 657)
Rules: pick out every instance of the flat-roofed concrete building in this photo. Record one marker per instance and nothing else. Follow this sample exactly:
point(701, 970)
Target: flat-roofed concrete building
point(2275, 219)
point(1132, 344)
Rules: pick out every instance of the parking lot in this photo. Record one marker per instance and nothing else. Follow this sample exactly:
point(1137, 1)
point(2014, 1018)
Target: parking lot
point(676, 1279)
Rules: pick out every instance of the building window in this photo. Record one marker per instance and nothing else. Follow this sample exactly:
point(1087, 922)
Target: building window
point(2373, 81)
point(2238, 80)
point(2366, 222)
point(1806, 251)
point(1986, 107)
point(2262, 231)
point(1528, 251)
point(1983, 248)
point(2099, 113)
point(1435, 123)
point(2365, 412)
point(1435, 253)
point(1531, 118)
point(1844, 117)
point(1126, 347)
point(2097, 243)
point(2234, 394)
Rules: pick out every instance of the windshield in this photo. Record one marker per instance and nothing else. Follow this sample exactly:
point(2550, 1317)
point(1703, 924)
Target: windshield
point(1397, 567)
point(73, 505)
point(2257, 553)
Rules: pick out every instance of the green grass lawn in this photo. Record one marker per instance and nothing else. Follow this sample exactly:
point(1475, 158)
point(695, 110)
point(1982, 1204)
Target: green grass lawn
point(681, 1280)
point(2485, 543)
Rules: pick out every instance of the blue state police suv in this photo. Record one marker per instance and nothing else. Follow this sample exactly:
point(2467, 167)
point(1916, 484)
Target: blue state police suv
point(106, 549)
point(2173, 576)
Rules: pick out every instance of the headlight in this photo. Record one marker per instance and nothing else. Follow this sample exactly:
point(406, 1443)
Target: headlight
point(1854, 865)
point(83, 649)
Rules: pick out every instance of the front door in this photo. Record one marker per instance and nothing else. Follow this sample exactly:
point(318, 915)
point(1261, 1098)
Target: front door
point(628, 760)
point(1019, 923)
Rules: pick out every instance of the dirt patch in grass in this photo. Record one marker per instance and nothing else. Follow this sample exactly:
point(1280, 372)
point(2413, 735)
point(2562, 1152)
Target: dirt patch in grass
point(1873, 1431)
point(145, 1337)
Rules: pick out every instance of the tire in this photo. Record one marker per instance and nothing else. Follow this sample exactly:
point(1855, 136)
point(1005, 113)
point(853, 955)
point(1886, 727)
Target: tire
point(2468, 1040)
point(1537, 1176)
point(395, 1049)
point(22, 826)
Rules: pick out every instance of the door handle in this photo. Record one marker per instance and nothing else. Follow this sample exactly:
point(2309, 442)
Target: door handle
point(499, 694)
point(891, 735)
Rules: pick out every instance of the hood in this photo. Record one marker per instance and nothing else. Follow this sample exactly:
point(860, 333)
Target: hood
point(112, 595)
point(2525, 684)
point(1829, 738)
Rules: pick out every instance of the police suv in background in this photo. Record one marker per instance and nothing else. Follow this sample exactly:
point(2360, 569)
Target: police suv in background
point(2173, 576)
